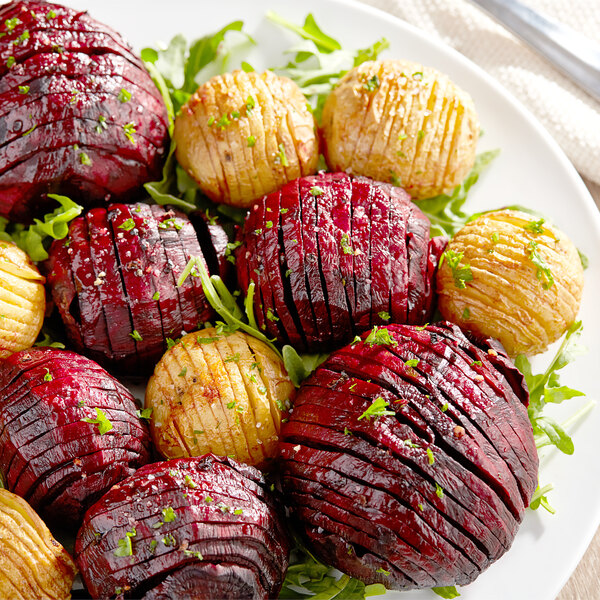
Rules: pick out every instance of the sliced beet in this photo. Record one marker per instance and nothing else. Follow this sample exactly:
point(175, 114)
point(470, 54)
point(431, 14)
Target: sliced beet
point(130, 265)
point(49, 445)
point(354, 252)
point(65, 114)
point(448, 458)
point(214, 534)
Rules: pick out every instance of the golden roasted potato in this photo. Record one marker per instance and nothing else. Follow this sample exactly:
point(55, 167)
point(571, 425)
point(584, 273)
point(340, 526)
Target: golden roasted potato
point(243, 135)
point(32, 563)
point(513, 277)
point(398, 121)
point(219, 393)
point(22, 300)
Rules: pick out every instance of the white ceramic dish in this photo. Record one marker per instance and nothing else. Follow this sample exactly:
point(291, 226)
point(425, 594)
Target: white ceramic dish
point(531, 171)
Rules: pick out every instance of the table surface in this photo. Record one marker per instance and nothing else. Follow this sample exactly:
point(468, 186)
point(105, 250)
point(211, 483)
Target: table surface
point(584, 584)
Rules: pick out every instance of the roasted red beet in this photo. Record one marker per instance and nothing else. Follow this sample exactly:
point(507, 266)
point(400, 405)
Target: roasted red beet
point(68, 431)
point(199, 528)
point(332, 255)
point(409, 458)
point(114, 281)
point(80, 114)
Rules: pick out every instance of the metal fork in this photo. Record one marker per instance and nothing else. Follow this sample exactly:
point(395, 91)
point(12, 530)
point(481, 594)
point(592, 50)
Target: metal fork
point(575, 55)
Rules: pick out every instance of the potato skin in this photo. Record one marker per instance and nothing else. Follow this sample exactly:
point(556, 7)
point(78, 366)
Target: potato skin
point(219, 393)
point(32, 563)
point(22, 300)
point(243, 135)
point(510, 297)
point(401, 122)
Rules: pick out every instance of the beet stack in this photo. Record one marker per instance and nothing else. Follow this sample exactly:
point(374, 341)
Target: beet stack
point(409, 458)
point(80, 114)
point(332, 256)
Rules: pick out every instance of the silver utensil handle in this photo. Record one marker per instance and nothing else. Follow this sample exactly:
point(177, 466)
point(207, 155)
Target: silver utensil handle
point(575, 55)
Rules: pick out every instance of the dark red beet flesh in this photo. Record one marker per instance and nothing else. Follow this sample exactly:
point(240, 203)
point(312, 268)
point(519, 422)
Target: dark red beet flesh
point(333, 255)
point(114, 281)
point(80, 114)
point(199, 528)
point(48, 454)
point(430, 494)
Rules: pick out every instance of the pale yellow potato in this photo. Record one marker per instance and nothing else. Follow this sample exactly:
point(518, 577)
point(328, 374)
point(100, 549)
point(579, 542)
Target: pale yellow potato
point(22, 300)
point(401, 122)
point(224, 395)
point(527, 281)
point(32, 563)
point(243, 135)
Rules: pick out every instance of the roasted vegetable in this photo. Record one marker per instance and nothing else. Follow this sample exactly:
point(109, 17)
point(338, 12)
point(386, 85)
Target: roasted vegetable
point(22, 300)
point(114, 281)
point(398, 121)
point(243, 135)
point(331, 256)
point(68, 431)
point(32, 563)
point(187, 528)
point(218, 392)
point(409, 458)
point(514, 277)
point(80, 113)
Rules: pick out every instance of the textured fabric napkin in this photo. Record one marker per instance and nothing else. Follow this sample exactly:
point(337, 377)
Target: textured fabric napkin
point(570, 115)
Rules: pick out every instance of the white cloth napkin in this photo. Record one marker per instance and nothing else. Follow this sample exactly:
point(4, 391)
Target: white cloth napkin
point(569, 114)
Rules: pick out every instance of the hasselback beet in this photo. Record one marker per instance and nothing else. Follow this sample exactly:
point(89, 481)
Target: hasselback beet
point(409, 458)
point(68, 431)
point(332, 256)
point(187, 528)
point(80, 114)
point(114, 281)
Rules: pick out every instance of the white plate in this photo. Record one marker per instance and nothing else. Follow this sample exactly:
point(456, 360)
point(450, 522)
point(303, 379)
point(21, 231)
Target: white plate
point(531, 171)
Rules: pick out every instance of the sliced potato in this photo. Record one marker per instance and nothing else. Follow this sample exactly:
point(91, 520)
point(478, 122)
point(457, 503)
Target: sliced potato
point(32, 563)
point(243, 135)
point(513, 277)
point(398, 121)
point(22, 300)
point(219, 393)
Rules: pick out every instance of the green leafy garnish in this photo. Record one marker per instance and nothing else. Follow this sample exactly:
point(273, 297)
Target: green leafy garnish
point(319, 60)
point(379, 408)
point(145, 413)
point(168, 514)
point(460, 273)
point(543, 270)
point(445, 211)
point(36, 238)
point(124, 546)
point(300, 366)
point(448, 591)
point(103, 422)
point(380, 336)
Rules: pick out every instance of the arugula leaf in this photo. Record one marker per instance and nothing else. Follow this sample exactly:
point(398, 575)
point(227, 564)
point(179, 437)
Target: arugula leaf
point(445, 211)
point(300, 366)
point(448, 591)
point(319, 62)
point(308, 578)
point(35, 238)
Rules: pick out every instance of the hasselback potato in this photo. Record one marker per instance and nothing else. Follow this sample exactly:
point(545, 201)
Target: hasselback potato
point(114, 280)
point(68, 431)
point(512, 276)
point(80, 113)
point(409, 458)
point(242, 135)
point(219, 392)
point(333, 255)
point(187, 528)
point(32, 563)
point(22, 300)
point(398, 121)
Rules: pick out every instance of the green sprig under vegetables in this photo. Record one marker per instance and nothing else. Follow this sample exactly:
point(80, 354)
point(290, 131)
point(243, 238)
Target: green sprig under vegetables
point(36, 238)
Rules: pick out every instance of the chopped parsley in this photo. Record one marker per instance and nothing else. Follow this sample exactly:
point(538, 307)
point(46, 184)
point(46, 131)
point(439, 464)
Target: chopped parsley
point(384, 315)
point(378, 408)
point(183, 372)
point(124, 546)
point(346, 247)
point(233, 358)
point(168, 514)
point(250, 104)
point(124, 95)
point(315, 190)
point(460, 274)
point(169, 540)
point(101, 124)
point(127, 225)
point(283, 161)
point(439, 490)
point(372, 84)
point(136, 335)
point(47, 376)
point(197, 555)
point(271, 316)
point(145, 413)
point(84, 159)
point(156, 295)
point(103, 422)
point(543, 270)
point(383, 571)
point(466, 314)
point(23, 89)
point(536, 227)
point(430, 456)
point(10, 24)
point(251, 141)
point(413, 362)
point(129, 130)
point(380, 336)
